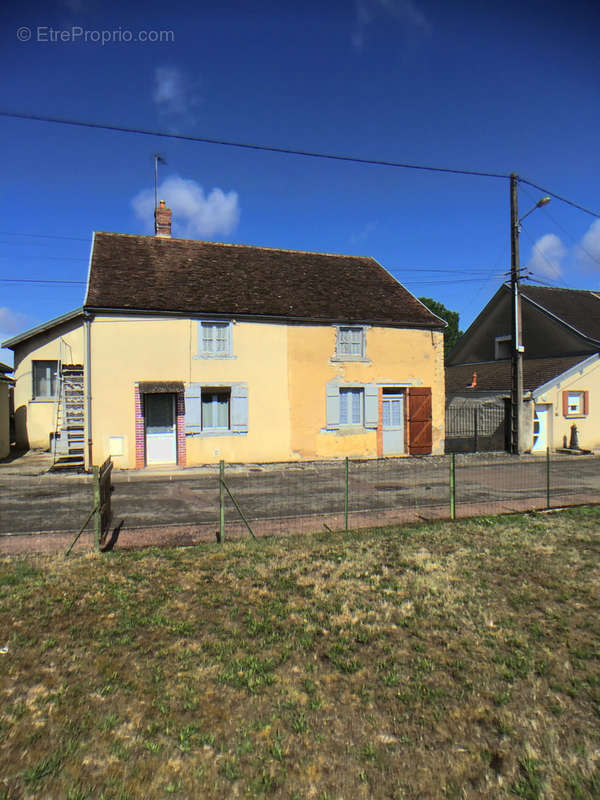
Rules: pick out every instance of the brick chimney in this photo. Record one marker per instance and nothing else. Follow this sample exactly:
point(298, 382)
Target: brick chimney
point(162, 221)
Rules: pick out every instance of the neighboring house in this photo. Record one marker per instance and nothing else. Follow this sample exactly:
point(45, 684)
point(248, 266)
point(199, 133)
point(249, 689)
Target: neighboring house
point(5, 409)
point(189, 352)
point(561, 368)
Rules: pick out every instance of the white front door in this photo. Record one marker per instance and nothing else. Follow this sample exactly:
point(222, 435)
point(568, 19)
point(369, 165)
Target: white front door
point(392, 422)
point(161, 433)
point(541, 417)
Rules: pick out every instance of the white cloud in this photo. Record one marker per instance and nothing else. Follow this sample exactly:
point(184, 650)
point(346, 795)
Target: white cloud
point(406, 12)
point(587, 252)
point(363, 233)
point(173, 94)
point(196, 215)
point(547, 255)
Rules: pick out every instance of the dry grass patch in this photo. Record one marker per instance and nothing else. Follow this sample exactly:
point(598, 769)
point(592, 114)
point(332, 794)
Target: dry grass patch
point(449, 660)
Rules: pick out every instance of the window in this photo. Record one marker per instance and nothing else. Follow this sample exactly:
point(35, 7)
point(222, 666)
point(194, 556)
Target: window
point(502, 347)
point(45, 379)
point(351, 406)
point(214, 339)
point(215, 409)
point(575, 404)
point(350, 343)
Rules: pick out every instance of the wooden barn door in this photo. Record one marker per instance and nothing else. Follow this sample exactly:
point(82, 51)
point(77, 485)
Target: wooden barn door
point(419, 420)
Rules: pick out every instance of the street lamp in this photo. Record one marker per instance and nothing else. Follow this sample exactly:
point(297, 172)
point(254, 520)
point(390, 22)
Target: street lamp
point(517, 445)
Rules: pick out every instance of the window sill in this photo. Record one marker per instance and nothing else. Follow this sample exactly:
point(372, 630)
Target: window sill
point(218, 356)
point(43, 399)
point(213, 434)
point(349, 430)
point(576, 416)
point(356, 359)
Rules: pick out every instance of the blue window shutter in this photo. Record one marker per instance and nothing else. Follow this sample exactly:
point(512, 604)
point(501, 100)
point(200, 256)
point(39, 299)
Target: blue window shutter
point(371, 405)
point(239, 407)
point(193, 408)
point(333, 406)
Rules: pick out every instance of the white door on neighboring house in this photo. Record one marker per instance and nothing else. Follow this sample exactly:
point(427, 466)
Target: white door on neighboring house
point(541, 417)
point(392, 422)
point(161, 429)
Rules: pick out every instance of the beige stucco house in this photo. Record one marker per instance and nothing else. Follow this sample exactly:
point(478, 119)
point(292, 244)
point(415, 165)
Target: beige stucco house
point(188, 352)
point(561, 367)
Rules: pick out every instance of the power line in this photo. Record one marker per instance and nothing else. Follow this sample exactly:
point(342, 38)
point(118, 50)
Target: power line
point(558, 197)
point(45, 236)
point(248, 146)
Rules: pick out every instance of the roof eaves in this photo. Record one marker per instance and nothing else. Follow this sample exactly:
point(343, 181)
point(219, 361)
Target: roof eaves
point(158, 312)
point(568, 373)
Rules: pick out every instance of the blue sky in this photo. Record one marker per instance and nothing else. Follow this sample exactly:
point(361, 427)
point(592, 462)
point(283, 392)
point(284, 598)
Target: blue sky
point(468, 85)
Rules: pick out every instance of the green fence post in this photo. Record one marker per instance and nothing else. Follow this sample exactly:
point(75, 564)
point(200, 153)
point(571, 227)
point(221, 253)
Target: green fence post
point(346, 497)
point(547, 477)
point(98, 512)
point(221, 501)
point(452, 487)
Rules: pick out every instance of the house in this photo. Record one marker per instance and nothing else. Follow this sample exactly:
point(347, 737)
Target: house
point(561, 369)
point(5, 409)
point(188, 352)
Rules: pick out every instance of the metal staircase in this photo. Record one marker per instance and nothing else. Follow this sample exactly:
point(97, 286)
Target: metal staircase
point(69, 437)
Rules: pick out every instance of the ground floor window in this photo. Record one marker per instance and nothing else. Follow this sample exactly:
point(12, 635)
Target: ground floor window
point(216, 409)
point(575, 404)
point(351, 406)
point(45, 378)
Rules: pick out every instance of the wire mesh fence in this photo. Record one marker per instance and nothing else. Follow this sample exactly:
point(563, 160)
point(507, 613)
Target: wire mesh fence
point(279, 499)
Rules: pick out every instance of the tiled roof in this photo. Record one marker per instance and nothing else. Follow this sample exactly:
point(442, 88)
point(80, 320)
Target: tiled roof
point(495, 376)
point(579, 308)
point(180, 275)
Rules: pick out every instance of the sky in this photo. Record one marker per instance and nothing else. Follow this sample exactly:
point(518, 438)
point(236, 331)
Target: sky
point(489, 87)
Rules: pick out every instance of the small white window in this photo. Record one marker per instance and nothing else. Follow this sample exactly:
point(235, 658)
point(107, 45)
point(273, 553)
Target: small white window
point(214, 339)
point(350, 343)
point(351, 406)
point(45, 379)
point(575, 403)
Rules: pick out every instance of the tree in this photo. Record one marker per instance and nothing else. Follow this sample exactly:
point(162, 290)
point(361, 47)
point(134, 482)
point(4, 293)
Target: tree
point(452, 333)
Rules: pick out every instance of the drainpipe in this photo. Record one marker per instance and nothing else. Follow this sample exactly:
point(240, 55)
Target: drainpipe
point(87, 320)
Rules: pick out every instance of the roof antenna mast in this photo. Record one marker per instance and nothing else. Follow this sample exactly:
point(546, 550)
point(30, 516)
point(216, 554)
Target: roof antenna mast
point(158, 159)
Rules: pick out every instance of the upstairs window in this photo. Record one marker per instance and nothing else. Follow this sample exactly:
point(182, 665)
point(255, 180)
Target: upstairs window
point(45, 379)
point(502, 347)
point(350, 343)
point(214, 339)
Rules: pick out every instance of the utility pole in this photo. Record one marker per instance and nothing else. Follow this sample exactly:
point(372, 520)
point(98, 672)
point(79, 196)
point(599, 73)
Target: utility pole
point(516, 395)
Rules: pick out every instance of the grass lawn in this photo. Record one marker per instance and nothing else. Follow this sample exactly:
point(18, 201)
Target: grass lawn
point(451, 660)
